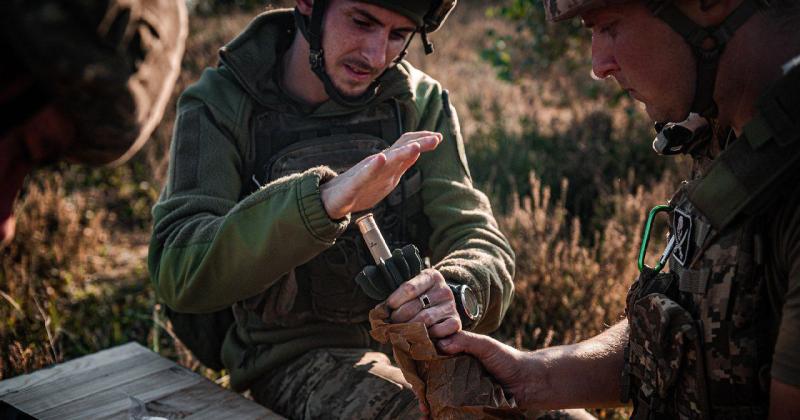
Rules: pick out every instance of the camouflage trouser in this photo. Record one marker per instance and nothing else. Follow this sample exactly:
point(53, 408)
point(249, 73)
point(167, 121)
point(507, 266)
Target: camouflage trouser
point(338, 383)
point(349, 384)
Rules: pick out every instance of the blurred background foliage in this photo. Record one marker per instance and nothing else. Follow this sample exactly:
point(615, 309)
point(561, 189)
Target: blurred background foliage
point(565, 160)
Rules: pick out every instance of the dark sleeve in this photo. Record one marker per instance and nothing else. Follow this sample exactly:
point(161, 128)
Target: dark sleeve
point(786, 359)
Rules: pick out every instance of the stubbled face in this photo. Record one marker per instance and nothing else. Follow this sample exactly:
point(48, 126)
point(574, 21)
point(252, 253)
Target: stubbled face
point(360, 41)
point(645, 56)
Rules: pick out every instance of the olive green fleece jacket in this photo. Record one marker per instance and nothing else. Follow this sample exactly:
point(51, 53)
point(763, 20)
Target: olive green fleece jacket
point(209, 249)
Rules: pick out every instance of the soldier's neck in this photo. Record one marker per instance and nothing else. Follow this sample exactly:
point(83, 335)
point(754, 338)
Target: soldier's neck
point(751, 62)
point(297, 78)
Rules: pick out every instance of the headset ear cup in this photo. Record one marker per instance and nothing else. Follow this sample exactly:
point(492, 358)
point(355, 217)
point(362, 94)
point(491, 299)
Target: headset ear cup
point(413, 259)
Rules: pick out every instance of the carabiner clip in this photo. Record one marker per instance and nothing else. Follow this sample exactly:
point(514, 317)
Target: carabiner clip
point(646, 239)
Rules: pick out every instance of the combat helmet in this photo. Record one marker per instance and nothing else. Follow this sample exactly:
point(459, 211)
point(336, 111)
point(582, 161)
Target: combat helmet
point(427, 15)
point(707, 43)
point(109, 66)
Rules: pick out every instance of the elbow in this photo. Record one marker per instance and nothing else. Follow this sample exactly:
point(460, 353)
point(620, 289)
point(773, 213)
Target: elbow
point(177, 300)
point(171, 289)
point(175, 293)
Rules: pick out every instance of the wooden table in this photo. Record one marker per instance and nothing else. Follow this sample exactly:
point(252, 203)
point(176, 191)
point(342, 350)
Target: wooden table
point(127, 381)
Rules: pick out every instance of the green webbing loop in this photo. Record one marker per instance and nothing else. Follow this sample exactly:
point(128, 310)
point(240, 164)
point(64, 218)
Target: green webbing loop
point(646, 239)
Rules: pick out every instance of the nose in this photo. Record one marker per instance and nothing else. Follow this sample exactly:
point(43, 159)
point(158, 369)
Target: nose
point(375, 50)
point(604, 63)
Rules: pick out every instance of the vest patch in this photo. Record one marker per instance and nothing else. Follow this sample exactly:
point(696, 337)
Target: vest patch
point(682, 223)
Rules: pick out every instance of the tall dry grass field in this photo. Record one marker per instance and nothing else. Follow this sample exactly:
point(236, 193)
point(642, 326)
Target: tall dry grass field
point(74, 280)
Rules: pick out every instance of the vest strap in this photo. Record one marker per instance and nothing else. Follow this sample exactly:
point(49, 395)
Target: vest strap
point(693, 281)
point(707, 57)
point(743, 176)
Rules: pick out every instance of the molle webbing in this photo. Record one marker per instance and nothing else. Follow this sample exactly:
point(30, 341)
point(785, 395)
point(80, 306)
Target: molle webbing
point(744, 176)
point(274, 131)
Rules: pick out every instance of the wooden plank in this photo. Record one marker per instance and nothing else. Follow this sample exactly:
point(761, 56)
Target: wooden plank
point(101, 386)
point(204, 400)
point(99, 359)
point(62, 390)
point(117, 400)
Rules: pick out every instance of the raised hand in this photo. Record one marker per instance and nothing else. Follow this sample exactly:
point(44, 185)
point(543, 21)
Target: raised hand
point(371, 180)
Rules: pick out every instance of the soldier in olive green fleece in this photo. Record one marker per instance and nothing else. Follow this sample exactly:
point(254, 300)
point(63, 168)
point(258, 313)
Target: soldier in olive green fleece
point(274, 255)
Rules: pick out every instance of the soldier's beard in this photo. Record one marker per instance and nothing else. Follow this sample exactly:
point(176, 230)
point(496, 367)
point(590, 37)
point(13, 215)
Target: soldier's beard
point(354, 76)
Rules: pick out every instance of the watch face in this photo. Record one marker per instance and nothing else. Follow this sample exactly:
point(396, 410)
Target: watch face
point(471, 305)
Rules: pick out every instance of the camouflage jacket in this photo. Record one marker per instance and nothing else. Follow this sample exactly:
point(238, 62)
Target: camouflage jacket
point(212, 247)
point(706, 338)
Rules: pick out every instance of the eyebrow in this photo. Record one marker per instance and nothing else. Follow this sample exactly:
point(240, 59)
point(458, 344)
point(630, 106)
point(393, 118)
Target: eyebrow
point(372, 19)
point(590, 20)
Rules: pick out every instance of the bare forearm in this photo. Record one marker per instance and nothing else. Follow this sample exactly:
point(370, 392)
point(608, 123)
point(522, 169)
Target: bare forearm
point(582, 375)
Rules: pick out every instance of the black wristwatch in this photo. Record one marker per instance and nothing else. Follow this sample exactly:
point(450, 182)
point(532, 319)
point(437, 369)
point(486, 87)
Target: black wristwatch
point(467, 303)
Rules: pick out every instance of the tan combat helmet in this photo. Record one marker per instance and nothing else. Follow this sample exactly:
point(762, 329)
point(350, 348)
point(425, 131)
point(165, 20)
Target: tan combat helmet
point(109, 66)
point(696, 36)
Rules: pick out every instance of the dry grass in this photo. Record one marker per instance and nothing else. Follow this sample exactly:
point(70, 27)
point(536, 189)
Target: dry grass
point(55, 248)
point(567, 290)
point(74, 280)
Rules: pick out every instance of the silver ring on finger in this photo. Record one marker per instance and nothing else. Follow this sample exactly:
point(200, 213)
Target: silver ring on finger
point(425, 301)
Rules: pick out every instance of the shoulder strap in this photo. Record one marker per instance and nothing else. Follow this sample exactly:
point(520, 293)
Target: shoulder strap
point(753, 168)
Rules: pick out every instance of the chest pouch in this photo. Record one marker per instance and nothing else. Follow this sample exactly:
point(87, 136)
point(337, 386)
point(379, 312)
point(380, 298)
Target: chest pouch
point(664, 344)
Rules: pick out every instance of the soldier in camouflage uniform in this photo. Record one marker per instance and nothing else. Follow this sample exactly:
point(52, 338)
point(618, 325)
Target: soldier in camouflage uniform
point(312, 116)
point(718, 336)
point(86, 81)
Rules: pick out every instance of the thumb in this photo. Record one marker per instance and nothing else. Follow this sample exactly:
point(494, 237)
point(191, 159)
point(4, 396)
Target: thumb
point(477, 345)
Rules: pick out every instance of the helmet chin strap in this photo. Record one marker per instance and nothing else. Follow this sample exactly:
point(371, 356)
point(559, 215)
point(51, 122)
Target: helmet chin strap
point(312, 31)
point(707, 45)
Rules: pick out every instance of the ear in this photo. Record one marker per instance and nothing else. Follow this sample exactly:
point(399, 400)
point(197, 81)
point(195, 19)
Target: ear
point(304, 6)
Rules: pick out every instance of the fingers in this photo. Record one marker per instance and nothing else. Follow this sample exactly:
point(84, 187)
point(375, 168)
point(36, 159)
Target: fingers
point(427, 140)
point(370, 180)
point(414, 288)
point(395, 161)
point(480, 346)
point(407, 311)
point(413, 136)
point(368, 167)
point(434, 314)
point(445, 328)
point(399, 159)
point(426, 144)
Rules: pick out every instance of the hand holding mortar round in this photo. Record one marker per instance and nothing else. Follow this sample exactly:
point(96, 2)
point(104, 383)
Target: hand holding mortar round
point(393, 269)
